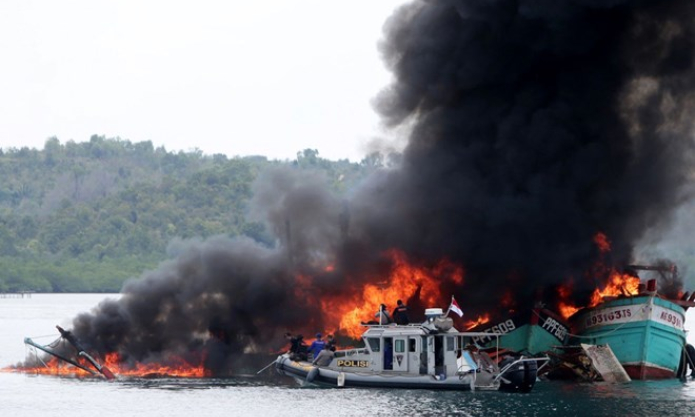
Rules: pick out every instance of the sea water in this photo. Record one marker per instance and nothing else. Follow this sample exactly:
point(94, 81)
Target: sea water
point(272, 394)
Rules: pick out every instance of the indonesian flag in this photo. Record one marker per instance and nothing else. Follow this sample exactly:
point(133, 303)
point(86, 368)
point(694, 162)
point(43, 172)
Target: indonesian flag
point(455, 307)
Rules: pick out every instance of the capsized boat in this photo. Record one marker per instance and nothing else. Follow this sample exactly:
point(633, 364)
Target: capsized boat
point(79, 358)
point(431, 355)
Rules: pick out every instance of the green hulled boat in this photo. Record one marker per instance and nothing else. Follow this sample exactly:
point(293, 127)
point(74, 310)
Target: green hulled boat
point(645, 332)
point(533, 332)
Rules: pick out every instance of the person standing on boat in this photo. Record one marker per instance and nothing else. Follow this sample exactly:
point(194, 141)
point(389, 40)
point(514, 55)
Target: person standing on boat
point(400, 313)
point(330, 342)
point(383, 315)
point(317, 345)
point(292, 341)
point(297, 346)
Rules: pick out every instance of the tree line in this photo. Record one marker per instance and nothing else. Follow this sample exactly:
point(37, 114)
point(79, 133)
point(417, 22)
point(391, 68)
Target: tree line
point(84, 217)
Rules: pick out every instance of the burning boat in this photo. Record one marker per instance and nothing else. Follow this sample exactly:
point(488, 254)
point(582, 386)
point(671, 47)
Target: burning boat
point(533, 332)
point(78, 358)
point(66, 356)
point(431, 355)
point(644, 330)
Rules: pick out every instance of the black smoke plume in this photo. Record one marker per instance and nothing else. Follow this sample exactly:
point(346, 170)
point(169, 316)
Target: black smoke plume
point(537, 124)
point(534, 125)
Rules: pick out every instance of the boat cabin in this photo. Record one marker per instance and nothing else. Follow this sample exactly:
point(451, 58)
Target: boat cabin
point(430, 348)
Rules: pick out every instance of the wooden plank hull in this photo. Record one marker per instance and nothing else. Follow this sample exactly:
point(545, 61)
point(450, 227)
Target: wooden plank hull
point(532, 332)
point(646, 334)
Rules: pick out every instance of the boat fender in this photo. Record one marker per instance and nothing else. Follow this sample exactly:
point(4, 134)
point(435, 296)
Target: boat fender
point(312, 374)
point(341, 379)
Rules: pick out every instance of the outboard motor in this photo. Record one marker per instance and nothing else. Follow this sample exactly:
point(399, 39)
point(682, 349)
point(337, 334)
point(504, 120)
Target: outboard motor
point(520, 377)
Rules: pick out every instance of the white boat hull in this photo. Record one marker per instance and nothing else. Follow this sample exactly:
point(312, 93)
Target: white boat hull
point(310, 374)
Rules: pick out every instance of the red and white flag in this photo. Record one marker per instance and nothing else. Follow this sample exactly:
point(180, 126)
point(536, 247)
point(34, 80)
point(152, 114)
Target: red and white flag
point(455, 307)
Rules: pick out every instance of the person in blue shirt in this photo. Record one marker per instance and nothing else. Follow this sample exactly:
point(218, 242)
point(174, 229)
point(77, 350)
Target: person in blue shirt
point(317, 345)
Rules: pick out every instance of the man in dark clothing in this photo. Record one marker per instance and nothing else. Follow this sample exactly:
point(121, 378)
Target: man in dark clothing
point(294, 342)
point(330, 342)
point(400, 313)
point(297, 347)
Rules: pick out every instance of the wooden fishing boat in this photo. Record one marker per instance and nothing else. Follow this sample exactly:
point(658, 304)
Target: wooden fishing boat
point(645, 331)
point(532, 332)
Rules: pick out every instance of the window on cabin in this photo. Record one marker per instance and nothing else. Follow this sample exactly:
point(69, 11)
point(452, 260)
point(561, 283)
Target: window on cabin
point(374, 344)
point(399, 346)
point(450, 343)
point(412, 344)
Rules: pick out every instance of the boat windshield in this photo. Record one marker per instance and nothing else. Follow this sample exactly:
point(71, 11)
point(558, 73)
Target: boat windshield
point(374, 344)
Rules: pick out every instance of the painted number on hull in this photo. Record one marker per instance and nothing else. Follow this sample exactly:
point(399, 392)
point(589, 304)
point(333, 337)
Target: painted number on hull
point(554, 327)
point(503, 328)
point(672, 319)
point(603, 317)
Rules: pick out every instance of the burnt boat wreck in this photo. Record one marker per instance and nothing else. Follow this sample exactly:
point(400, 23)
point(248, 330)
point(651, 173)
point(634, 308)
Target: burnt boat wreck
point(73, 354)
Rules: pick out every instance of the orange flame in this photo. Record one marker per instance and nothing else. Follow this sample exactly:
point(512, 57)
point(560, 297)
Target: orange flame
point(565, 307)
point(618, 284)
point(54, 366)
point(176, 367)
point(404, 280)
point(477, 322)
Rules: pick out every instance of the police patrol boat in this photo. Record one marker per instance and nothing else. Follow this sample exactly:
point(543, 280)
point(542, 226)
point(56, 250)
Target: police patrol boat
point(431, 355)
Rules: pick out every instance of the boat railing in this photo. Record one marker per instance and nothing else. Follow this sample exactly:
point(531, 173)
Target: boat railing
point(351, 352)
point(393, 328)
point(544, 359)
point(392, 325)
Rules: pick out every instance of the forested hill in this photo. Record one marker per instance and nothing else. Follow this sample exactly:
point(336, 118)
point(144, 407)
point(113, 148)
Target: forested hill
point(81, 217)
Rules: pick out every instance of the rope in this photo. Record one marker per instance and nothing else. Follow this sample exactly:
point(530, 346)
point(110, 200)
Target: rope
point(31, 349)
point(44, 336)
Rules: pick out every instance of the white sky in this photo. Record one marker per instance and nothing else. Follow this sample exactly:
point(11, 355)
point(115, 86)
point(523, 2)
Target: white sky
point(264, 77)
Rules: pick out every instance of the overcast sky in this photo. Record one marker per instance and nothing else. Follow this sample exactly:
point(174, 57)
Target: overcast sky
point(267, 77)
